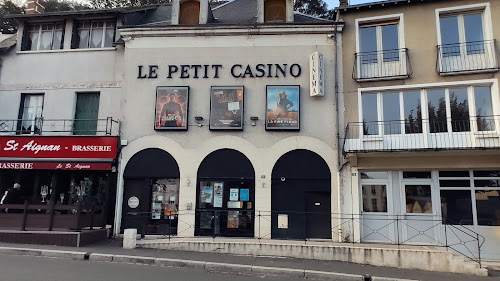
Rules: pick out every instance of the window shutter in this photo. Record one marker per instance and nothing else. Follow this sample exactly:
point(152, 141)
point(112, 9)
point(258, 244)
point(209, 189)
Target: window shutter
point(62, 36)
point(75, 39)
point(25, 40)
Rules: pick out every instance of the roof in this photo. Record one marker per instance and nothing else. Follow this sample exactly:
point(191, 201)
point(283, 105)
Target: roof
point(232, 12)
point(7, 41)
point(380, 5)
point(84, 12)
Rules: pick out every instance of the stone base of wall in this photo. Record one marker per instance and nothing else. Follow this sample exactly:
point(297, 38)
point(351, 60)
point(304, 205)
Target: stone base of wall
point(58, 238)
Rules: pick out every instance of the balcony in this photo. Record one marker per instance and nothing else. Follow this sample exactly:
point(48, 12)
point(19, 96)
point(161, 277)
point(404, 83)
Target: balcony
point(471, 57)
point(480, 132)
point(382, 65)
point(60, 127)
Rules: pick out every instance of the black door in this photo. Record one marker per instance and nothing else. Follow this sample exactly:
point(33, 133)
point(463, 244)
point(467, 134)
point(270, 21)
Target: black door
point(318, 215)
point(136, 217)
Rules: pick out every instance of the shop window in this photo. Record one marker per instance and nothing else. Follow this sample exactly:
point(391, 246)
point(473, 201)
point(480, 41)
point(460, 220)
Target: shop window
point(93, 34)
point(44, 36)
point(165, 200)
point(378, 200)
point(486, 173)
point(418, 199)
point(488, 207)
point(30, 114)
point(274, 11)
point(454, 174)
point(456, 207)
point(189, 13)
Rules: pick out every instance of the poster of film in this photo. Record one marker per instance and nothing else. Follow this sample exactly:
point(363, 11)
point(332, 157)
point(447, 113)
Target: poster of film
point(226, 108)
point(283, 108)
point(171, 108)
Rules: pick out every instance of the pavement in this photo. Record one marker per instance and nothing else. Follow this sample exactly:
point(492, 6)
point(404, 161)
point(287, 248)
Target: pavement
point(111, 250)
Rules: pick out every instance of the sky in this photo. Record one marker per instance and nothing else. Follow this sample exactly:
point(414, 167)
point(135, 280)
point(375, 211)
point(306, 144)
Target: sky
point(335, 3)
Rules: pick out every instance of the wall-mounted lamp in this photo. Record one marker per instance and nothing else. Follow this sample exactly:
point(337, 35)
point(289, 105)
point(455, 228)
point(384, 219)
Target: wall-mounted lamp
point(198, 118)
point(254, 118)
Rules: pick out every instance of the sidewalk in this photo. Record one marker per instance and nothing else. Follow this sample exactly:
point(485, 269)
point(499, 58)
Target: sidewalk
point(112, 250)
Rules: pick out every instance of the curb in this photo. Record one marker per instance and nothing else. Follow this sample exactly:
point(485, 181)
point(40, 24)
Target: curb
point(208, 266)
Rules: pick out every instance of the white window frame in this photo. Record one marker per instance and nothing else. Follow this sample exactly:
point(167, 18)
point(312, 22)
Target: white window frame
point(387, 182)
point(41, 24)
point(486, 12)
point(104, 28)
point(417, 181)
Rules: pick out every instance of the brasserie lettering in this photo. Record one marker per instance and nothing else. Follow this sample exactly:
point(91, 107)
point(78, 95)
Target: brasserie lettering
point(91, 148)
point(185, 71)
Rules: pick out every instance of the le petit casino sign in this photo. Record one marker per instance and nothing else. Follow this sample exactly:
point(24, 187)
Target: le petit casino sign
point(185, 71)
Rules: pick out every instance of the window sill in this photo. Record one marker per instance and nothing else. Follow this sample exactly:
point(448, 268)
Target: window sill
point(486, 135)
point(464, 72)
point(68, 50)
point(374, 138)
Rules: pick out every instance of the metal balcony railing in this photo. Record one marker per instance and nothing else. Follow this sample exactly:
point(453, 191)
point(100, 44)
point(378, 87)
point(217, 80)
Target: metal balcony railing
point(479, 56)
point(387, 64)
point(479, 132)
point(42, 126)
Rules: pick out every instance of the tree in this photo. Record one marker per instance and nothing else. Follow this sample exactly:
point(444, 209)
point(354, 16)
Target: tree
point(7, 7)
point(317, 8)
point(109, 4)
point(63, 5)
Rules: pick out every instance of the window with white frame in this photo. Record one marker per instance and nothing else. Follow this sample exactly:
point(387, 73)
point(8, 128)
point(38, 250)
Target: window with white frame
point(379, 41)
point(444, 109)
point(470, 197)
point(95, 34)
point(462, 32)
point(30, 113)
point(374, 191)
point(44, 36)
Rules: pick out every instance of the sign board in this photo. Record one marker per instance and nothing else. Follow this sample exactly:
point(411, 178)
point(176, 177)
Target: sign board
point(55, 166)
point(282, 221)
point(317, 75)
point(58, 147)
point(133, 202)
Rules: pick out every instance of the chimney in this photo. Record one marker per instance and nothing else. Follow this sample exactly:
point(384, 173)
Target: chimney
point(344, 2)
point(35, 7)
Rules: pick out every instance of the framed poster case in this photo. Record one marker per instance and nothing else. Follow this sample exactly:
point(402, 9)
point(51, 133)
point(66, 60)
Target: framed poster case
point(226, 108)
point(283, 107)
point(171, 111)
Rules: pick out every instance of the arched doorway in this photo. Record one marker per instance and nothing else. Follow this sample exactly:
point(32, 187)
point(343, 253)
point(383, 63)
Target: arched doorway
point(225, 195)
point(151, 192)
point(301, 196)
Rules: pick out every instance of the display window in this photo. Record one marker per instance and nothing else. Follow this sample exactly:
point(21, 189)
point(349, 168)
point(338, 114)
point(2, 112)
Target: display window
point(225, 208)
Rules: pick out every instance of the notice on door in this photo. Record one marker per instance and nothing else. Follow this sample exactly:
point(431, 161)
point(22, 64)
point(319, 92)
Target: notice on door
point(233, 194)
point(282, 221)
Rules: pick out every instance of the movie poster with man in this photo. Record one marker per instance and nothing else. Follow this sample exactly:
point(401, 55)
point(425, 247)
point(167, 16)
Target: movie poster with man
point(283, 108)
point(226, 108)
point(171, 108)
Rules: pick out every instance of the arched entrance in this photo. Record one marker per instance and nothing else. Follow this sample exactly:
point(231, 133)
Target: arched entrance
point(151, 192)
point(225, 195)
point(301, 196)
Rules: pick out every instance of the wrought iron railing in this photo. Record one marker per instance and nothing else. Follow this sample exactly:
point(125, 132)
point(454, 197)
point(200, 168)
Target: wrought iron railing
point(467, 57)
point(387, 64)
point(382, 228)
point(42, 126)
point(479, 132)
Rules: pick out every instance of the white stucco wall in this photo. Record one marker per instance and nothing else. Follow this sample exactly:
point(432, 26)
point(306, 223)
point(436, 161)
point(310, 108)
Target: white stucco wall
point(263, 148)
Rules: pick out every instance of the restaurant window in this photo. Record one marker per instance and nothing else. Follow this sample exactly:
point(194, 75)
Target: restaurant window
point(274, 11)
point(189, 12)
point(43, 36)
point(30, 114)
point(93, 34)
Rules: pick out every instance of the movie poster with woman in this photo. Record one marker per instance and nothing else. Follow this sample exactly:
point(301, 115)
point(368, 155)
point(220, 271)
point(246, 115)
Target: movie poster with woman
point(283, 108)
point(171, 108)
point(226, 108)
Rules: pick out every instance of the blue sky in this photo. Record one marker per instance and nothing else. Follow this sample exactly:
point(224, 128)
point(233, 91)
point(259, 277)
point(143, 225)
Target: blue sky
point(335, 3)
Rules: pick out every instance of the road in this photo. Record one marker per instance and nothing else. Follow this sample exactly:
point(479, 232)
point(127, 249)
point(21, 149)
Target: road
point(29, 268)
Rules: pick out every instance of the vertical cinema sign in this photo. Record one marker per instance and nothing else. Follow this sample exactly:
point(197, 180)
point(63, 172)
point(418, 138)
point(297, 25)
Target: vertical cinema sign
point(317, 74)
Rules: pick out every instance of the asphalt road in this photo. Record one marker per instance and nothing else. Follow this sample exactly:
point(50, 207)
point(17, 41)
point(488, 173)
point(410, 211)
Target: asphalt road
point(28, 268)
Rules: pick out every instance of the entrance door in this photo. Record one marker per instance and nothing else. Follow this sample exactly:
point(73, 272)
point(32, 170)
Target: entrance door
point(136, 204)
point(86, 114)
point(318, 215)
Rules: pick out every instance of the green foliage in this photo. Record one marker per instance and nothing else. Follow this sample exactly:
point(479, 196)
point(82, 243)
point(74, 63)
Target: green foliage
point(317, 8)
point(7, 7)
point(63, 5)
point(108, 4)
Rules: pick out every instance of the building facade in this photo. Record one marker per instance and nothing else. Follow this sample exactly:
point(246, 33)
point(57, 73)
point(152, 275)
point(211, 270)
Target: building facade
point(419, 111)
point(226, 101)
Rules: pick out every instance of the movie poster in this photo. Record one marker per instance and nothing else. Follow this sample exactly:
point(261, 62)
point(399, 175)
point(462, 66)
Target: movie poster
point(171, 108)
point(226, 108)
point(282, 108)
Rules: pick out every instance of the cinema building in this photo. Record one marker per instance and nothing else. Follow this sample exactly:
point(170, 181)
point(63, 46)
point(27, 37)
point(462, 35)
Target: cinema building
point(420, 126)
point(228, 121)
point(59, 129)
